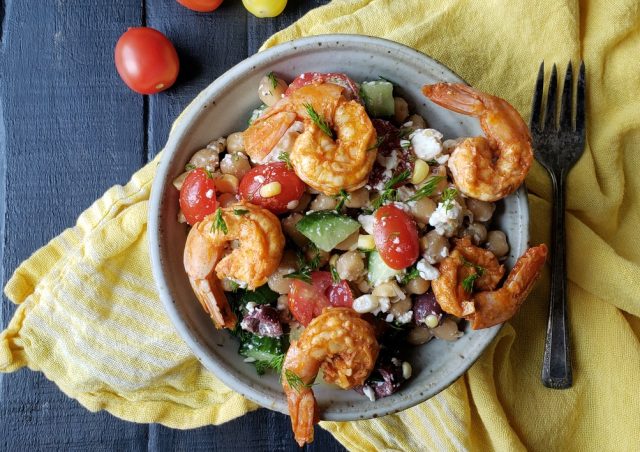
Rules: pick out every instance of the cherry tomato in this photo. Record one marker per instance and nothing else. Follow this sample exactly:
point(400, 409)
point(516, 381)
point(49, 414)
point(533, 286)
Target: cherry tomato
point(198, 196)
point(396, 237)
point(265, 8)
point(352, 90)
point(203, 6)
point(306, 301)
point(146, 60)
point(291, 187)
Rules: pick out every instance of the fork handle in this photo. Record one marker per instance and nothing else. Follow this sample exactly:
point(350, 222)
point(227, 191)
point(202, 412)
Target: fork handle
point(556, 365)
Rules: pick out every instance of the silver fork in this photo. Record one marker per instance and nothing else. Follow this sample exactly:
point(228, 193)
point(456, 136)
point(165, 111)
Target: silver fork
point(558, 149)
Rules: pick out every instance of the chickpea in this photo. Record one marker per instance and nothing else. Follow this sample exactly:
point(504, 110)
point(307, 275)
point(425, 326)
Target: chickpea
point(448, 330)
point(417, 286)
point(422, 209)
point(206, 158)
point(350, 266)
point(400, 307)
point(434, 247)
point(235, 142)
point(235, 164)
point(323, 202)
point(389, 290)
point(227, 199)
point(401, 110)
point(417, 121)
point(178, 181)
point(358, 198)
point(419, 335)
point(350, 243)
point(289, 228)
point(277, 281)
point(271, 89)
point(363, 285)
point(481, 210)
point(477, 232)
point(303, 202)
point(497, 243)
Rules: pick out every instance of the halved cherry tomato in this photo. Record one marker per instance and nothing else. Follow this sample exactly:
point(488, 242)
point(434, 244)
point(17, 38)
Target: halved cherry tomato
point(306, 301)
point(396, 237)
point(203, 6)
point(198, 196)
point(291, 187)
point(352, 90)
point(146, 60)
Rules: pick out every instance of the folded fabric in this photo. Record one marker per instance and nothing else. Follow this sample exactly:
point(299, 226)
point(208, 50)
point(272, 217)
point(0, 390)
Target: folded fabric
point(90, 320)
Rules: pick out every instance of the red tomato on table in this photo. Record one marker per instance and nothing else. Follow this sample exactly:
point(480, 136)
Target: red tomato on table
point(352, 89)
point(203, 6)
point(146, 60)
point(198, 196)
point(306, 301)
point(396, 237)
point(291, 187)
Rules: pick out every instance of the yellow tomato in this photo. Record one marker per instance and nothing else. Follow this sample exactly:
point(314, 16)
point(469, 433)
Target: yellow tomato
point(265, 8)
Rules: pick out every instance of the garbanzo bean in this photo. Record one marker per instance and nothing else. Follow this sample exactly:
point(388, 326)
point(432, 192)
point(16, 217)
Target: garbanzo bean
point(417, 286)
point(497, 243)
point(235, 164)
point(323, 202)
point(350, 266)
point(434, 247)
point(235, 142)
point(401, 110)
point(289, 228)
point(481, 210)
point(271, 89)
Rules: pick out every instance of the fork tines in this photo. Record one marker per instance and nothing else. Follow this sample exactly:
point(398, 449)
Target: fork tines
point(565, 119)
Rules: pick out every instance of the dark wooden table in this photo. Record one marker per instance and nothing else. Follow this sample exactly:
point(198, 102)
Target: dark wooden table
point(70, 129)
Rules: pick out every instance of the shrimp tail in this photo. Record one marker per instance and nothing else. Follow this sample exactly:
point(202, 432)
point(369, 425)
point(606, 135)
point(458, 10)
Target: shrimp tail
point(456, 97)
point(304, 415)
point(492, 308)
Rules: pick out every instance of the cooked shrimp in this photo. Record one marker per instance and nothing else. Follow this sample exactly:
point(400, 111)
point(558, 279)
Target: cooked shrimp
point(491, 273)
point(486, 168)
point(325, 164)
point(499, 306)
point(340, 342)
point(490, 307)
point(260, 246)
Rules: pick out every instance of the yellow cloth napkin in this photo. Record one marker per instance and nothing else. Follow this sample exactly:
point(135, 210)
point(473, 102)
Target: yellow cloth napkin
point(90, 320)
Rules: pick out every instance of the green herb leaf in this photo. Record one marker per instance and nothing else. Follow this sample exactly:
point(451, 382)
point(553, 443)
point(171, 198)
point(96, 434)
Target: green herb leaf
point(304, 274)
point(189, 167)
point(427, 189)
point(413, 273)
point(272, 78)
point(467, 283)
point(314, 263)
point(398, 178)
point(234, 286)
point(432, 162)
point(404, 132)
point(389, 192)
point(342, 197)
point(240, 212)
point(448, 196)
point(320, 122)
point(295, 381)
point(376, 145)
point(284, 157)
point(334, 274)
point(208, 173)
point(479, 268)
point(219, 223)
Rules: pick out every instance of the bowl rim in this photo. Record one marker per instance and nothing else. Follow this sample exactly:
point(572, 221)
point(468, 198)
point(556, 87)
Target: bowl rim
point(176, 135)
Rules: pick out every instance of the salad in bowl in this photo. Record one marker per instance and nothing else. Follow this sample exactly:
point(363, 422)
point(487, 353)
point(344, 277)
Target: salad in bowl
point(339, 230)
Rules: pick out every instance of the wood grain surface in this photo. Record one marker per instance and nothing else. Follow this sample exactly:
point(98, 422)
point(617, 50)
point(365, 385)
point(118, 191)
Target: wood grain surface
point(70, 129)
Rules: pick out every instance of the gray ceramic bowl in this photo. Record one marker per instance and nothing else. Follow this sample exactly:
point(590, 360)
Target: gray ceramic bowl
point(223, 108)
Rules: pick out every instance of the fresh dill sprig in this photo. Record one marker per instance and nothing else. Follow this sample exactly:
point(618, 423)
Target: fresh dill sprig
point(468, 282)
point(448, 196)
point(320, 122)
point(295, 381)
point(427, 189)
point(208, 173)
point(314, 263)
point(219, 223)
point(404, 132)
point(478, 268)
point(240, 212)
point(432, 162)
point(409, 275)
point(272, 78)
point(379, 141)
point(342, 197)
point(304, 274)
point(334, 274)
point(284, 157)
point(234, 286)
point(389, 193)
point(189, 167)
point(274, 363)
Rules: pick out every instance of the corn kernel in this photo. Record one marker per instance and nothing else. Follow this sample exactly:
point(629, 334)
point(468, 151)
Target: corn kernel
point(270, 190)
point(366, 242)
point(406, 370)
point(420, 171)
point(432, 321)
point(227, 183)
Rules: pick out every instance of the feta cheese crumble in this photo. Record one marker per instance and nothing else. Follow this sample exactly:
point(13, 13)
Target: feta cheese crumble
point(367, 223)
point(426, 270)
point(447, 218)
point(427, 143)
